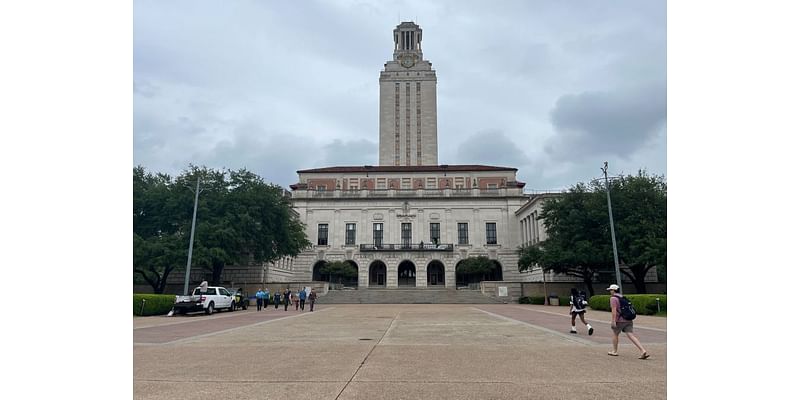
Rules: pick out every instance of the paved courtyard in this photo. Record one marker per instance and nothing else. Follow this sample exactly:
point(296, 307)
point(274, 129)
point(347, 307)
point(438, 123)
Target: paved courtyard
point(502, 351)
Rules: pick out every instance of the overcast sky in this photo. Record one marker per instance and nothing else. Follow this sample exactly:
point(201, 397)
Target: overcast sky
point(553, 88)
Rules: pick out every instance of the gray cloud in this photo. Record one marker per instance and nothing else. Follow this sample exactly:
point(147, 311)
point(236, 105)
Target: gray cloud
point(490, 148)
point(351, 152)
point(282, 86)
point(607, 123)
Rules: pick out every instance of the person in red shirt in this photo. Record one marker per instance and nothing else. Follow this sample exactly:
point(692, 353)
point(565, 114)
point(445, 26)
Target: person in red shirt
point(619, 324)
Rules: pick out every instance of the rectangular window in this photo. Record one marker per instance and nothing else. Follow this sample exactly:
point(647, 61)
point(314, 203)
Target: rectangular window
point(322, 188)
point(322, 235)
point(405, 233)
point(491, 186)
point(406, 183)
point(463, 235)
point(350, 234)
point(435, 233)
point(377, 235)
point(491, 233)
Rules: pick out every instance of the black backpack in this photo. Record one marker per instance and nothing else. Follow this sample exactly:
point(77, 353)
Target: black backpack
point(626, 309)
point(577, 302)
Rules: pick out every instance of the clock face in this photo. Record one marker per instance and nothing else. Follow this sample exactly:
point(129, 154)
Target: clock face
point(407, 61)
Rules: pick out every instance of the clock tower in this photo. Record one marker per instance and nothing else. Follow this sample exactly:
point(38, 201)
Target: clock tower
point(408, 103)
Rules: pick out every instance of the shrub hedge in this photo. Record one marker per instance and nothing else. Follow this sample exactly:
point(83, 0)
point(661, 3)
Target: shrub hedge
point(155, 304)
point(540, 300)
point(645, 304)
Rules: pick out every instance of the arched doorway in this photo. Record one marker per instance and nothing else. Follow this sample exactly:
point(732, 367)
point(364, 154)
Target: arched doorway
point(316, 275)
point(463, 279)
point(353, 280)
point(406, 274)
point(497, 273)
point(377, 273)
point(435, 273)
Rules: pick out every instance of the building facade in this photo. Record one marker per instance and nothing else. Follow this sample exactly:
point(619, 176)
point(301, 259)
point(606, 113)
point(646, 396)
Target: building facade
point(410, 226)
point(410, 222)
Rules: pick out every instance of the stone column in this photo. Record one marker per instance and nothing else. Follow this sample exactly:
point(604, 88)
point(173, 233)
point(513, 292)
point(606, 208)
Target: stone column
point(450, 273)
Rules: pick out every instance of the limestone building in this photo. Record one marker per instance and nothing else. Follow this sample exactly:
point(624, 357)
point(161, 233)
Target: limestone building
point(410, 221)
point(408, 103)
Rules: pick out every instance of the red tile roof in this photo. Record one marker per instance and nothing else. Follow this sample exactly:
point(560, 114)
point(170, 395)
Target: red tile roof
point(407, 168)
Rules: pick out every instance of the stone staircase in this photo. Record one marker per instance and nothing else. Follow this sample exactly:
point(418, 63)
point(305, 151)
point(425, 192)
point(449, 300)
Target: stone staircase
point(406, 296)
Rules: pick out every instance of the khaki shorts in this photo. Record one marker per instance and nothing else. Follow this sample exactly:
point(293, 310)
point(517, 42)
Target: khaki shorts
point(624, 326)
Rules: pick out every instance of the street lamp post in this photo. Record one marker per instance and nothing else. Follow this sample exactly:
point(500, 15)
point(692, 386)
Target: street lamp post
point(611, 219)
point(191, 240)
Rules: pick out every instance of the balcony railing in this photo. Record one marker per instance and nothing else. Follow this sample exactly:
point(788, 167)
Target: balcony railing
point(406, 247)
point(406, 193)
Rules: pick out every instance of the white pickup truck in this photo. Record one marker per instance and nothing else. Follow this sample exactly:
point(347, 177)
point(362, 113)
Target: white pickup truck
point(213, 298)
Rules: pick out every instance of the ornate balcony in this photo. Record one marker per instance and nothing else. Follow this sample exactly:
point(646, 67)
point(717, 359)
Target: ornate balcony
point(406, 247)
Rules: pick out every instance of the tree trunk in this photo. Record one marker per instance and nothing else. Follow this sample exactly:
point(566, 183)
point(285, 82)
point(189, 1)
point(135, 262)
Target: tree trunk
point(154, 283)
point(162, 285)
point(587, 280)
point(217, 273)
point(639, 272)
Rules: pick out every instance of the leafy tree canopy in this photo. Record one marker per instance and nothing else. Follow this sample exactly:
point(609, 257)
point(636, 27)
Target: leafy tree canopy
point(240, 219)
point(579, 233)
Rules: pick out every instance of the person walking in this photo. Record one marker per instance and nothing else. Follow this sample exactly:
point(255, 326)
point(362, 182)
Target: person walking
point(312, 297)
point(620, 324)
point(296, 299)
point(277, 299)
point(287, 297)
point(577, 301)
point(302, 296)
point(266, 298)
point(259, 299)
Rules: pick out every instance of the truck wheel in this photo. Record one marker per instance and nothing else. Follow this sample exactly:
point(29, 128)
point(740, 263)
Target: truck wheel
point(181, 311)
point(233, 306)
point(210, 309)
point(244, 305)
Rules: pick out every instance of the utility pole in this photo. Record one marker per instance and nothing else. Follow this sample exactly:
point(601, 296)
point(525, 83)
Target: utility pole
point(611, 219)
point(191, 239)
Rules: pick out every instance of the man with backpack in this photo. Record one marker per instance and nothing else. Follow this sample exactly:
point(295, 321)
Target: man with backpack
point(622, 315)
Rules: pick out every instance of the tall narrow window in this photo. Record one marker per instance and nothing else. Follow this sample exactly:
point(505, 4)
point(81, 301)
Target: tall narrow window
point(405, 234)
point(322, 235)
point(350, 234)
point(491, 233)
point(377, 235)
point(463, 235)
point(435, 233)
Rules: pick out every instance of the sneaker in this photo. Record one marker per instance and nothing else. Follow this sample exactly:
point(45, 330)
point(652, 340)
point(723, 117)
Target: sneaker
point(591, 330)
point(573, 331)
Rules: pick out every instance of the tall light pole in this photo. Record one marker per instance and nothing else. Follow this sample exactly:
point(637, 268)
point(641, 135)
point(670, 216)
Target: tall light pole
point(611, 219)
point(191, 239)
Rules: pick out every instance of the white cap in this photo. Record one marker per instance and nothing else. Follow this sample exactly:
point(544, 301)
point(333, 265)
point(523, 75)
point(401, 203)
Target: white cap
point(613, 287)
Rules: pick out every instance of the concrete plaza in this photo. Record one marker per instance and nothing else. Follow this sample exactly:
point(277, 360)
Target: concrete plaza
point(481, 351)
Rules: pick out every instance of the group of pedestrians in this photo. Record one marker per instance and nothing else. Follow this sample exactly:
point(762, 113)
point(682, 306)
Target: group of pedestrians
point(578, 303)
point(286, 298)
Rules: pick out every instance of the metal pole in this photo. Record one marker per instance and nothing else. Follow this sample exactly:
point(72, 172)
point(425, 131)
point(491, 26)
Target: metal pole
point(544, 283)
point(191, 240)
point(611, 219)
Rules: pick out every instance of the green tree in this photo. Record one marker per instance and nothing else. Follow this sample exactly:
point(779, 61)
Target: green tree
point(159, 243)
point(240, 218)
point(579, 234)
point(474, 268)
point(576, 244)
point(640, 222)
point(156, 257)
point(339, 269)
